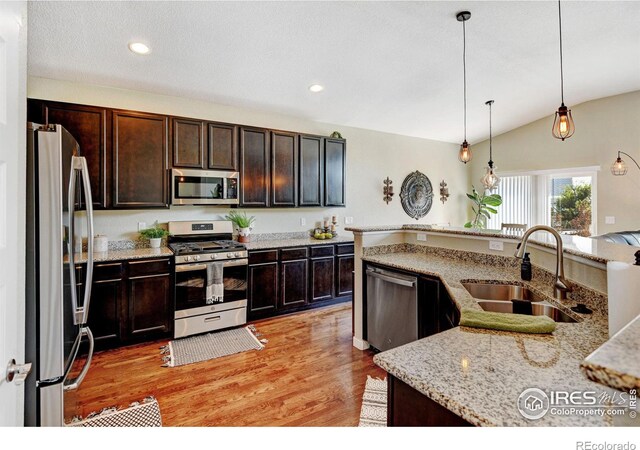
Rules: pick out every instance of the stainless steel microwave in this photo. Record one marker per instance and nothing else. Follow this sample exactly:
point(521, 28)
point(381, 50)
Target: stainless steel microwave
point(203, 187)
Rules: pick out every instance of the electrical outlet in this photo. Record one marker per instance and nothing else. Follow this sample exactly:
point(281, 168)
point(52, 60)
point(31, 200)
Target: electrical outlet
point(496, 245)
point(422, 237)
point(142, 226)
point(610, 220)
point(348, 220)
point(303, 221)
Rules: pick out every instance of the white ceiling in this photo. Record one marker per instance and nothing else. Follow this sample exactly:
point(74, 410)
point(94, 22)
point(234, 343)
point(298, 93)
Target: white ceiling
point(389, 66)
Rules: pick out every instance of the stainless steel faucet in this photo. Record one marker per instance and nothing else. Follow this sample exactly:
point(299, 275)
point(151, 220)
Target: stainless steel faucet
point(561, 286)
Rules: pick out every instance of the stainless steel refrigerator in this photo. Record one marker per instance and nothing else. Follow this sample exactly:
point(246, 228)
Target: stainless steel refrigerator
point(58, 286)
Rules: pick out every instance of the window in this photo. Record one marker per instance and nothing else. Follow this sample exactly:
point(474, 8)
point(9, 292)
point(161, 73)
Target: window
point(563, 199)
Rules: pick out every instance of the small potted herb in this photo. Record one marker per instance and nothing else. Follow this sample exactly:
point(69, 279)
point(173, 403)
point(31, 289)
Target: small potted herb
point(243, 223)
point(154, 234)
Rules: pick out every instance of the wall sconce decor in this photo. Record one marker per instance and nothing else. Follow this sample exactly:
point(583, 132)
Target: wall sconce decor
point(387, 190)
point(444, 192)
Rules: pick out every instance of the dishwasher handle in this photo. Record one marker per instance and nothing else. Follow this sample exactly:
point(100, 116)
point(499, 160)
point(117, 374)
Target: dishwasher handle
point(390, 279)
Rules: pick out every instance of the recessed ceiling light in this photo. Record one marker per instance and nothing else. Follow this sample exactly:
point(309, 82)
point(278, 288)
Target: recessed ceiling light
point(139, 48)
point(316, 88)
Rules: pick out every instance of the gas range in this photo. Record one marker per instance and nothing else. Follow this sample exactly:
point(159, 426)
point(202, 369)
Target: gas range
point(204, 241)
point(210, 277)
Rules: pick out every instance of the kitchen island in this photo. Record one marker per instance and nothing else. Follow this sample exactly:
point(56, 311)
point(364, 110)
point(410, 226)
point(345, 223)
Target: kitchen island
point(479, 375)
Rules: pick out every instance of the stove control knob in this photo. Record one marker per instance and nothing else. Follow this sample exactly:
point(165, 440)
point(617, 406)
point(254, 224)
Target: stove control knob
point(196, 258)
point(230, 255)
point(237, 254)
point(187, 258)
point(212, 256)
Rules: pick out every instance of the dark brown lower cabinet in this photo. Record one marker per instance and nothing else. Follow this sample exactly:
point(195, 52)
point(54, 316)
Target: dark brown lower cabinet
point(149, 305)
point(105, 312)
point(131, 301)
point(407, 407)
point(298, 278)
point(263, 288)
point(344, 275)
point(293, 276)
point(321, 278)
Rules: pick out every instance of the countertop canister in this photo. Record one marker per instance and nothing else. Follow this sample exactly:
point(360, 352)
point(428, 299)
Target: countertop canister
point(100, 243)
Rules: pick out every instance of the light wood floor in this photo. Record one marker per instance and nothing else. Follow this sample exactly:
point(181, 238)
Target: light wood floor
point(308, 374)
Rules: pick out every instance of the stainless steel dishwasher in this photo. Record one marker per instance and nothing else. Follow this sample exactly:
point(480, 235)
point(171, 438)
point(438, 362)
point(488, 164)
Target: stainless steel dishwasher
point(392, 308)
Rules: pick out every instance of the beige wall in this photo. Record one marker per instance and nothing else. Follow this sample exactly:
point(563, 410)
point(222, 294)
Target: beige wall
point(603, 127)
point(371, 156)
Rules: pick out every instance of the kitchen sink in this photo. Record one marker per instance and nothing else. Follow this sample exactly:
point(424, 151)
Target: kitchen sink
point(505, 292)
point(537, 309)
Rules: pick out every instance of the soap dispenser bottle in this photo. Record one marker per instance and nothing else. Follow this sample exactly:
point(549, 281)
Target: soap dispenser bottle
point(525, 268)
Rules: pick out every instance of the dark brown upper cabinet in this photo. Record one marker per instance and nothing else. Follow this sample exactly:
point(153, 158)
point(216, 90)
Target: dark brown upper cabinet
point(139, 160)
point(88, 125)
point(222, 146)
point(284, 169)
point(310, 163)
point(254, 167)
point(335, 162)
point(188, 143)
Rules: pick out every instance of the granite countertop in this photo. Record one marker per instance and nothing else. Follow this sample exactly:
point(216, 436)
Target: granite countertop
point(284, 242)
point(616, 363)
point(124, 254)
point(479, 374)
point(594, 249)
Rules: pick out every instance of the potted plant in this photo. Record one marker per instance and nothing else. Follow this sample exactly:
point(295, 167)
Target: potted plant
point(483, 206)
point(154, 234)
point(243, 223)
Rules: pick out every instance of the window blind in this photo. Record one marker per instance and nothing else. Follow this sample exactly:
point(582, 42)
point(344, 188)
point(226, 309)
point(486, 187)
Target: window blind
point(517, 202)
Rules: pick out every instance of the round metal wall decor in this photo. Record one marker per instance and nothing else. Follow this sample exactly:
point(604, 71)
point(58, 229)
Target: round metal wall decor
point(416, 195)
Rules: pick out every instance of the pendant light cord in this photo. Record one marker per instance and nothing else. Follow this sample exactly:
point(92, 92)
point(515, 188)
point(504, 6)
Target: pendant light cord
point(464, 71)
point(490, 139)
point(561, 69)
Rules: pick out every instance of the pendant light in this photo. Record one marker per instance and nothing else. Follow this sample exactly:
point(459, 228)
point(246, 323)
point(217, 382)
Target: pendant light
point(619, 167)
point(465, 151)
point(490, 180)
point(563, 126)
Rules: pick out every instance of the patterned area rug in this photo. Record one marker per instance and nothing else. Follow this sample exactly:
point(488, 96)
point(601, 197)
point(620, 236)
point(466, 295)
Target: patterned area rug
point(208, 346)
point(374, 403)
point(138, 414)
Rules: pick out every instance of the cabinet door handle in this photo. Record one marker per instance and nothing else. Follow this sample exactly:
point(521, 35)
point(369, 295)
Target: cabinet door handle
point(212, 319)
point(107, 281)
point(149, 276)
point(148, 261)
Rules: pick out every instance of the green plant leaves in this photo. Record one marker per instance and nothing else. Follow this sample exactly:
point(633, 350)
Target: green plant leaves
point(483, 206)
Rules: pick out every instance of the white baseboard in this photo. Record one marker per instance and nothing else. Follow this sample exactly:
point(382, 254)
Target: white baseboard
point(360, 344)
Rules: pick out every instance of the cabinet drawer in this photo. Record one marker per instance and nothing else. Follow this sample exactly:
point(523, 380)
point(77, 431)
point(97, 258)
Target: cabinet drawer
point(200, 324)
point(263, 256)
point(288, 254)
point(344, 249)
point(321, 250)
point(107, 271)
point(149, 267)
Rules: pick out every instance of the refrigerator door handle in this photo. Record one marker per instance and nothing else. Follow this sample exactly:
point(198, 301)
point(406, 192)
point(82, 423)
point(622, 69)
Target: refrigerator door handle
point(73, 384)
point(71, 207)
point(82, 314)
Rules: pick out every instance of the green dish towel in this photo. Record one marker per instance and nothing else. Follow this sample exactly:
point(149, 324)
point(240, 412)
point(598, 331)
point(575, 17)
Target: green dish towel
point(519, 323)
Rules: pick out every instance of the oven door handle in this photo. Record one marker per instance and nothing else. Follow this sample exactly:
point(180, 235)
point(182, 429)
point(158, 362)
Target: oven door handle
point(203, 266)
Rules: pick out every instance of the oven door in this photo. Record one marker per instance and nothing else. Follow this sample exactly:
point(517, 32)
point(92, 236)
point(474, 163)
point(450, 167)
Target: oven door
point(203, 187)
point(191, 283)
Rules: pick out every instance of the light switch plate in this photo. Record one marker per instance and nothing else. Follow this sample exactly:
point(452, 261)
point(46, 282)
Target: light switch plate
point(348, 220)
point(422, 237)
point(610, 220)
point(496, 245)
point(303, 221)
point(142, 226)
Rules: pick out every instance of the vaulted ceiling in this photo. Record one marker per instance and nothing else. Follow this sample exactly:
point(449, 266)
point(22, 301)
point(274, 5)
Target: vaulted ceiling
point(388, 66)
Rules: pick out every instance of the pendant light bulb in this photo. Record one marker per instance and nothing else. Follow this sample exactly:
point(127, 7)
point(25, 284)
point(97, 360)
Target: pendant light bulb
point(563, 126)
point(490, 180)
point(465, 153)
